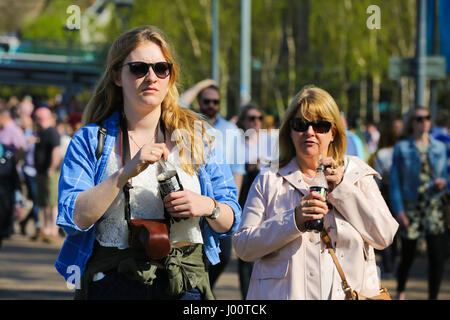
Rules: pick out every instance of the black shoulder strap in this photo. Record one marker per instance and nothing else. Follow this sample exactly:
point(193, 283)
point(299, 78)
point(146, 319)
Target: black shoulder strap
point(101, 141)
point(125, 158)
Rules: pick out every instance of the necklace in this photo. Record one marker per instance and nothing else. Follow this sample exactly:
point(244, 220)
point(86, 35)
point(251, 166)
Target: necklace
point(140, 147)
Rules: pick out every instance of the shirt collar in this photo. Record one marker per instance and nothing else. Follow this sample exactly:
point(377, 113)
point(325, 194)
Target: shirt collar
point(292, 174)
point(218, 121)
point(354, 169)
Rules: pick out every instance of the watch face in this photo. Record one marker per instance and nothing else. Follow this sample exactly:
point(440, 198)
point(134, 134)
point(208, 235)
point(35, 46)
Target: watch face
point(216, 212)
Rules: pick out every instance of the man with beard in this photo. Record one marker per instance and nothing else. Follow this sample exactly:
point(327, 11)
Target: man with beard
point(228, 134)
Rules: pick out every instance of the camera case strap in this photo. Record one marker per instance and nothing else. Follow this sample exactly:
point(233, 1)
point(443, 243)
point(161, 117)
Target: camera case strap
point(150, 235)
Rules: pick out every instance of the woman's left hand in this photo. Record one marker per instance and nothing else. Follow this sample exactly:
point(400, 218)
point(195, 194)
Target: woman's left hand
point(185, 204)
point(333, 172)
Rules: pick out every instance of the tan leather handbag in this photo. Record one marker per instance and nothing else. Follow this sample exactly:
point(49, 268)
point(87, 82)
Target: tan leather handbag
point(351, 294)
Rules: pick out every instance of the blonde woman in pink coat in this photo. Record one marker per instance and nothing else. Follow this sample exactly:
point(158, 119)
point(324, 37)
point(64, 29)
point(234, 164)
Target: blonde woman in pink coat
point(291, 262)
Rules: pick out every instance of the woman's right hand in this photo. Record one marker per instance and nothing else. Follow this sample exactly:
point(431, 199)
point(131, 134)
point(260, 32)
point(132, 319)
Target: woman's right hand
point(312, 207)
point(148, 154)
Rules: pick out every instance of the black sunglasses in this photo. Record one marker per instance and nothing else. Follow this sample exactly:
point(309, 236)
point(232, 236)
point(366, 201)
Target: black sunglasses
point(422, 118)
point(319, 126)
point(253, 118)
point(140, 69)
point(213, 101)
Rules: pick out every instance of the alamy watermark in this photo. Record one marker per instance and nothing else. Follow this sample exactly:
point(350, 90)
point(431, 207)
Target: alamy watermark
point(73, 22)
point(74, 279)
point(374, 20)
point(229, 147)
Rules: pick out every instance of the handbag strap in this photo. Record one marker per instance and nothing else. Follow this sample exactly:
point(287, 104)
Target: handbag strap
point(347, 289)
point(349, 293)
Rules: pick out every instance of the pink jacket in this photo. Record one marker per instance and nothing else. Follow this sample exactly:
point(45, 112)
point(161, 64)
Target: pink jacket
point(290, 264)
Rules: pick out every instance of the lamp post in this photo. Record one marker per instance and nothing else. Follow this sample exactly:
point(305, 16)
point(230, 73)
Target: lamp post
point(434, 51)
point(245, 60)
point(421, 43)
point(70, 39)
point(124, 8)
point(215, 41)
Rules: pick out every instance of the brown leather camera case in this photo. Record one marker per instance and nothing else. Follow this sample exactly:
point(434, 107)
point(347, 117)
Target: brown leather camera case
point(152, 236)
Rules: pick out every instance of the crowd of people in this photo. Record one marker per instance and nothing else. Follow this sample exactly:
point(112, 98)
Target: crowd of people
point(33, 140)
point(246, 185)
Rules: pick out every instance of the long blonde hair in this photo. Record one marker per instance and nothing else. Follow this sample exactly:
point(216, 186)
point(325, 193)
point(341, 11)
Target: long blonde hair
point(108, 98)
point(314, 103)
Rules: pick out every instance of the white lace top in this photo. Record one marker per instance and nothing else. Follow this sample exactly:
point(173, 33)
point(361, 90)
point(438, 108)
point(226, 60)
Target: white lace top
point(145, 203)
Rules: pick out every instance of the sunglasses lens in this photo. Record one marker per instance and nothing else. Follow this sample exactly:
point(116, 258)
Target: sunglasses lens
point(253, 118)
point(299, 125)
point(161, 69)
point(421, 119)
point(139, 69)
point(321, 126)
point(209, 101)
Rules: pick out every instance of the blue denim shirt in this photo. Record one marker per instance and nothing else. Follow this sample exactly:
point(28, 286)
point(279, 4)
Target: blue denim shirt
point(81, 171)
point(442, 135)
point(406, 166)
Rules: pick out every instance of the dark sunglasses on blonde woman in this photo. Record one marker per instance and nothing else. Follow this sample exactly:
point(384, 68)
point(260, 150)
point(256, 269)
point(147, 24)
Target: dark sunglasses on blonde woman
point(301, 125)
point(141, 69)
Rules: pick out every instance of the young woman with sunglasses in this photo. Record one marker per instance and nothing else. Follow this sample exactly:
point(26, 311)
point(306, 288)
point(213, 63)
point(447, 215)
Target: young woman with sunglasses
point(137, 98)
point(417, 178)
point(291, 262)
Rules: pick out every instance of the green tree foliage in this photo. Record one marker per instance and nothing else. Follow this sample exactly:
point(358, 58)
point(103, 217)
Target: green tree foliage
point(294, 43)
point(49, 25)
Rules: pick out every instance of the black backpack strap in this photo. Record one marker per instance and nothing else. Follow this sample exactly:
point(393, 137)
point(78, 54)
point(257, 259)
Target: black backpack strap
point(101, 141)
point(125, 156)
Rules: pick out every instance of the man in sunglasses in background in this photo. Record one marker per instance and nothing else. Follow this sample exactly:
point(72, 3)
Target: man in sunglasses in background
point(227, 133)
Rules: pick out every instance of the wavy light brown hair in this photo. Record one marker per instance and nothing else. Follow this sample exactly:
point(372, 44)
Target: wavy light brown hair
point(108, 98)
point(314, 103)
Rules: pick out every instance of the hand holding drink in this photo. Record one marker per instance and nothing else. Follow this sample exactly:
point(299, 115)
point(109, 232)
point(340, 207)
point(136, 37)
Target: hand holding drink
point(310, 211)
point(319, 185)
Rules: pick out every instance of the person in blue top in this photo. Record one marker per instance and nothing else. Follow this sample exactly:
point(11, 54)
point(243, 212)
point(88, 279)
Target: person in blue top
point(228, 134)
point(355, 145)
point(137, 97)
point(441, 132)
point(417, 179)
point(231, 138)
